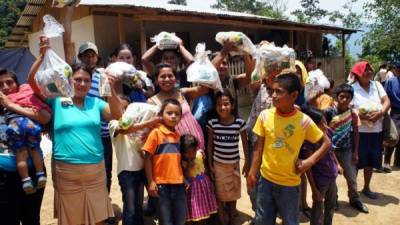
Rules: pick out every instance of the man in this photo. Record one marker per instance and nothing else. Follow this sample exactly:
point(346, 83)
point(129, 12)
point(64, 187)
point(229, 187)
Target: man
point(392, 88)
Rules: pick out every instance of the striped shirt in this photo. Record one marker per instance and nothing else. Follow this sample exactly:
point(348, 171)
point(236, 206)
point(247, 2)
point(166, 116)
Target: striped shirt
point(94, 92)
point(226, 139)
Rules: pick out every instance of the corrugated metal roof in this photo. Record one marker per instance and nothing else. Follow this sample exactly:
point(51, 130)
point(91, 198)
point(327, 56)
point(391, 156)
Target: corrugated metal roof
point(33, 8)
point(18, 36)
point(192, 10)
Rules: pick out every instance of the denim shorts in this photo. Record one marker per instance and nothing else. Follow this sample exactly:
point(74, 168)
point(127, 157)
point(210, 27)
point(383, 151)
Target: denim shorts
point(23, 133)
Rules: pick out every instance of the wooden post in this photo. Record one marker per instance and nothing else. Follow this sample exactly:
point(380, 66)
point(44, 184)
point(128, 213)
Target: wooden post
point(344, 53)
point(121, 29)
point(307, 37)
point(291, 38)
point(143, 41)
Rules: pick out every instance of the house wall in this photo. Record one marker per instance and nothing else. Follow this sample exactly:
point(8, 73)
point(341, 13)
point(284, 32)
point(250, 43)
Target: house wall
point(82, 31)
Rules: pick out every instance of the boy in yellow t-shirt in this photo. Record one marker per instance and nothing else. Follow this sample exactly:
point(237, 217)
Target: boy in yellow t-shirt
point(281, 131)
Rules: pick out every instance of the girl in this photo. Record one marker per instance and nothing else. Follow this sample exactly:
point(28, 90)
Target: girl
point(130, 167)
point(163, 166)
point(201, 201)
point(24, 134)
point(322, 176)
point(223, 151)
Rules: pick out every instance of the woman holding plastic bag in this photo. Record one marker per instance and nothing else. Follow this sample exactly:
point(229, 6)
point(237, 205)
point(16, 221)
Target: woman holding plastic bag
point(81, 196)
point(166, 80)
point(172, 52)
point(372, 103)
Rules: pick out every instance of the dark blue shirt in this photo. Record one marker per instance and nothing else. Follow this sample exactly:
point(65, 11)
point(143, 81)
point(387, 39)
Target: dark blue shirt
point(392, 88)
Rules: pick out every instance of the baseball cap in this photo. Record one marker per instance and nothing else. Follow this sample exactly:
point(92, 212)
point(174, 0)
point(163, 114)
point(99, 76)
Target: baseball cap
point(87, 46)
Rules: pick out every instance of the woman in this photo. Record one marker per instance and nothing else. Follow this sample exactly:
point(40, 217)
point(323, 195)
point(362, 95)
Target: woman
point(372, 103)
point(15, 206)
point(81, 196)
point(166, 80)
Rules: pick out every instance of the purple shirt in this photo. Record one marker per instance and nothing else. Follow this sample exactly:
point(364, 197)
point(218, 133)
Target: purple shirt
point(325, 170)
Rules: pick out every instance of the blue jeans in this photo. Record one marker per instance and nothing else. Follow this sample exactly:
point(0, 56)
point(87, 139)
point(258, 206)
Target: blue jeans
point(172, 204)
point(132, 187)
point(273, 198)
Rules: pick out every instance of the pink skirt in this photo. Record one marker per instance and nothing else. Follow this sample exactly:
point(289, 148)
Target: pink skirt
point(201, 199)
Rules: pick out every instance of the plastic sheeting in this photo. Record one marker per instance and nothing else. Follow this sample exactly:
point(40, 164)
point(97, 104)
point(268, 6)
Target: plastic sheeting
point(17, 60)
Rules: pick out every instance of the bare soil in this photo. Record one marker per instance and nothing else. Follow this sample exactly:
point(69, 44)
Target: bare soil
point(384, 210)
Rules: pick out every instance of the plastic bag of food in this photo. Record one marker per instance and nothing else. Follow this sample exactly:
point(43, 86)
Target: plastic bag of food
point(202, 71)
point(53, 74)
point(63, 3)
point(130, 76)
point(165, 40)
point(242, 42)
point(271, 59)
point(138, 112)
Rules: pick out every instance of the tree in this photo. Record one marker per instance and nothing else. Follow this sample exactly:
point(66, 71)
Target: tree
point(271, 8)
point(10, 10)
point(177, 2)
point(311, 12)
point(383, 38)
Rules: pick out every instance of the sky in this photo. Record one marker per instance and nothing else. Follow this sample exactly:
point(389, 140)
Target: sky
point(292, 5)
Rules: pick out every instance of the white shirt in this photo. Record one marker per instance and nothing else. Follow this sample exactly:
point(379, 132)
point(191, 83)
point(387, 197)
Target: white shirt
point(370, 99)
point(127, 150)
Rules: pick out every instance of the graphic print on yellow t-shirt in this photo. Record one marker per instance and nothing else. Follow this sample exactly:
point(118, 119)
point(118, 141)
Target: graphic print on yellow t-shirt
point(284, 136)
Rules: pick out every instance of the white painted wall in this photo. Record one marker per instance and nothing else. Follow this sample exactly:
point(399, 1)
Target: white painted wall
point(82, 31)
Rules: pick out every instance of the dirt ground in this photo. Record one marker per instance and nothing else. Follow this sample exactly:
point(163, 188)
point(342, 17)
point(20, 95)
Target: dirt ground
point(384, 210)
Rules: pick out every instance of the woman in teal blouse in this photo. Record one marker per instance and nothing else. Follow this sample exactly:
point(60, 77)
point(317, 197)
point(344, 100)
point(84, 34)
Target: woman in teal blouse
point(79, 175)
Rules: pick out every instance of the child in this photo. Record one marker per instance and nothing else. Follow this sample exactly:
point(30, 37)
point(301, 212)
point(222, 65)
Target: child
point(201, 201)
point(281, 131)
point(223, 152)
point(163, 166)
point(130, 167)
point(23, 134)
point(344, 122)
point(322, 176)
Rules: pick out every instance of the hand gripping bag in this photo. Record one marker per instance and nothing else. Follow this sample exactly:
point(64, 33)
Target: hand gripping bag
point(138, 112)
point(53, 74)
point(271, 59)
point(202, 71)
point(165, 40)
point(242, 42)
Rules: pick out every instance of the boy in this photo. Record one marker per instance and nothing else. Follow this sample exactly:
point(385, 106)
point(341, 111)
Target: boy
point(163, 166)
point(281, 131)
point(344, 123)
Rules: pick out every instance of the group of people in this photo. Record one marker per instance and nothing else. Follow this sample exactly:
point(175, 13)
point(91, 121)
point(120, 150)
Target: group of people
point(188, 157)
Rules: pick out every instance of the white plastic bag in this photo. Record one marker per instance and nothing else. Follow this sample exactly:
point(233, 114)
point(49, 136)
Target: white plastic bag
point(53, 74)
point(242, 42)
point(128, 73)
point(165, 40)
point(138, 112)
point(316, 84)
point(271, 58)
point(202, 71)
point(63, 3)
